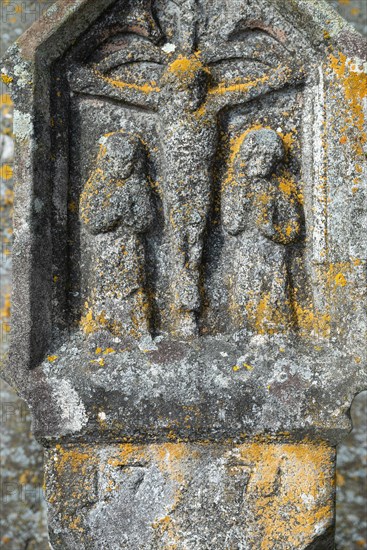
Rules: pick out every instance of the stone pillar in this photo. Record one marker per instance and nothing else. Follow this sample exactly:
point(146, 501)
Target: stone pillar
point(189, 267)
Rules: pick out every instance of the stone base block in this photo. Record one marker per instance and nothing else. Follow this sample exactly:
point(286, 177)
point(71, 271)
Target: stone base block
point(191, 496)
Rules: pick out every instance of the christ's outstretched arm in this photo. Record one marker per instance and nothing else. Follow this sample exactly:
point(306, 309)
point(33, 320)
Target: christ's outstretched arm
point(231, 94)
point(90, 81)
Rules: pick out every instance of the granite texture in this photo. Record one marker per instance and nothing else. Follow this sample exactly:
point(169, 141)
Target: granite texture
point(187, 304)
point(256, 491)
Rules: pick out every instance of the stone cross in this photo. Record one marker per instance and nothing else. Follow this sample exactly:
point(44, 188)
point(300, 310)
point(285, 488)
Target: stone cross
point(190, 267)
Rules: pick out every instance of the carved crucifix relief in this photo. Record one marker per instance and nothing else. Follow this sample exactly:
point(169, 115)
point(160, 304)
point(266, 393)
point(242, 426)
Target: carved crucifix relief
point(190, 270)
point(187, 82)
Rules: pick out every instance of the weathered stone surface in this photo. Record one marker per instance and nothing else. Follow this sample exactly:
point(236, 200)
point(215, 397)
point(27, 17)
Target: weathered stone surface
point(189, 259)
point(185, 139)
point(262, 495)
point(351, 520)
point(213, 389)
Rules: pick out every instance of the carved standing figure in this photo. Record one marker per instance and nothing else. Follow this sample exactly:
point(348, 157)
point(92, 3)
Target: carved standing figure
point(116, 211)
point(188, 149)
point(263, 214)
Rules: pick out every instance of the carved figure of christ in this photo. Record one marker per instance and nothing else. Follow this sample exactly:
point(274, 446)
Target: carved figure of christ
point(188, 108)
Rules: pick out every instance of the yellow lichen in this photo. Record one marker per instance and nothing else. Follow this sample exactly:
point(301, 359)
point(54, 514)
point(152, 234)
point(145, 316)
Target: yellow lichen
point(29, 477)
point(91, 324)
point(235, 147)
point(340, 279)
point(248, 367)
point(73, 459)
point(337, 273)
point(9, 197)
point(354, 84)
point(5, 310)
point(224, 88)
point(287, 186)
point(312, 322)
point(288, 492)
point(187, 67)
point(126, 452)
point(6, 79)
point(286, 181)
point(5, 100)
point(52, 358)
point(145, 88)
point(288, 141)
point(284, 489)
point(353, 80)
point(6, 172)
point(264, 317)
point(75, 525)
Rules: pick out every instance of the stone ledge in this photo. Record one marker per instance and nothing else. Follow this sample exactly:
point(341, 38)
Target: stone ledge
point(212, 388)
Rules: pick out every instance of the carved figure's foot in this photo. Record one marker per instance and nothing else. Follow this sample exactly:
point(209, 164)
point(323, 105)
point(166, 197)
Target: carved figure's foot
point(186, 292)
point(185, 325)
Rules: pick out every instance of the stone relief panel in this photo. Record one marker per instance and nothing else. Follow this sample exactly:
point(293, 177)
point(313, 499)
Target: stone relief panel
point(189, 254)
point(212, 97)
point(190, 265)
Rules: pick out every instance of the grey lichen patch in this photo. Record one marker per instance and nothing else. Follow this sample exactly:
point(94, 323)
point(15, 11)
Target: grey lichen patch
point(261, 386)
point(22, 125)
point(73, 417)
point(23, 75)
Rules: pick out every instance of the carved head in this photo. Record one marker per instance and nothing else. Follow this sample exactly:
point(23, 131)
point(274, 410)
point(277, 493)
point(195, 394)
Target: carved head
point(186, 80)
point(121, 154)
point(261, 151)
